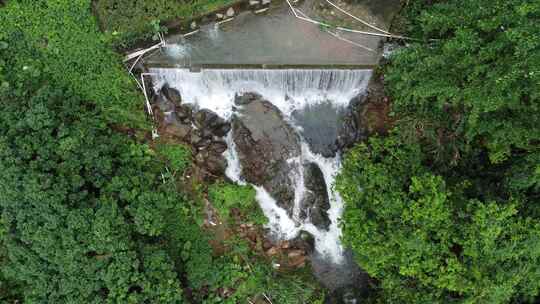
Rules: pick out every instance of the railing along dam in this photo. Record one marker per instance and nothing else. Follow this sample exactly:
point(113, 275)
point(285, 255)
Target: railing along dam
point(275, 40)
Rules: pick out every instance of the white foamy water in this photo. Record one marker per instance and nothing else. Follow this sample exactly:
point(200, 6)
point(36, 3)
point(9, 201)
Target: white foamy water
point(234, 170)
point(289, 90)
point(327, 242)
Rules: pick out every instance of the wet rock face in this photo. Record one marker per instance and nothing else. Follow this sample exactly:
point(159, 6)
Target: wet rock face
point(265, 142)
point(316, 203)
point(172, 95)
point(353, 128)
point(320, 125)
point(304, 241)
point(210, 121)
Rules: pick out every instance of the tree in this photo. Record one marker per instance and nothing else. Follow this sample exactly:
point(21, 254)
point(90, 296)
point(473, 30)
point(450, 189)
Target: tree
point(409, 228)
point(445, 208)
point(478, 84)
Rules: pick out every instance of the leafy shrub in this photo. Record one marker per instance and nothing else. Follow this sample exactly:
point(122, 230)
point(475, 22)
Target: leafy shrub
point(225, 197)
point(129, 21)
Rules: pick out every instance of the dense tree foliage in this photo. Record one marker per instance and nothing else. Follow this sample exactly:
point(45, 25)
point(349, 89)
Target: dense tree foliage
point(446, 207)
point(478, 85)
point(74, 198)
point(231, 198)
point(412, 228)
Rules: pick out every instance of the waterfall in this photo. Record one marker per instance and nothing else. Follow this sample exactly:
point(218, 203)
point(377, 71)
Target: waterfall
point(289, 90)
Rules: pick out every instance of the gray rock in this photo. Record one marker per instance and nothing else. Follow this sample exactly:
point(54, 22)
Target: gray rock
point(221, 129)
point(218, 147)
point(184, 112)
point(193, 25)
point(195, 138)
point(206, 134)
point(265, 2)
point(264, 143)
point(315, 204)
point(353, 128)
point(219, 16)
point(208, 120)
point(203, 143)
point(246, 98)
point(172, 95)
point(253, 2)
point(204, 118)
point(216, 164)
point(230, 12)
point(200, 158)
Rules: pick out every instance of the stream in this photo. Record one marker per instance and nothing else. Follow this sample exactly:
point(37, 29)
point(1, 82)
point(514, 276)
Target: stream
point(324, 94)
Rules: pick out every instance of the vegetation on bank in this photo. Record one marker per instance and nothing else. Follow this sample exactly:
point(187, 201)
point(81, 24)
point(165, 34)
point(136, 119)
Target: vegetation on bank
point(446, 207)
point(128, 21)
point(90, 212)
point(231, 198)
point(58, 41)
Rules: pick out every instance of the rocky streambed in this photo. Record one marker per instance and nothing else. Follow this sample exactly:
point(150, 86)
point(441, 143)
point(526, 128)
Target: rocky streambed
point(282, 132)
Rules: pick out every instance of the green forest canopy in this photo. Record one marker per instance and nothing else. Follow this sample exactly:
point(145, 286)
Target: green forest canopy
point(446, 208)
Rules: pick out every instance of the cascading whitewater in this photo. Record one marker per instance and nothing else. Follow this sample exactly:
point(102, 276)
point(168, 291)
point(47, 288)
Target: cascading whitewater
point(289, 90)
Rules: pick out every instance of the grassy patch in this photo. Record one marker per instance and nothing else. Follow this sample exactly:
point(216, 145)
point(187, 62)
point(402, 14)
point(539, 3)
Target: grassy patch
point(226, 197)
point(176, 156)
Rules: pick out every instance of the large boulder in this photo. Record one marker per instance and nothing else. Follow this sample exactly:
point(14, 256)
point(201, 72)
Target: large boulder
point(172, 126)
point(207, 120)
point(315, 203)
point(265, 143)
point(216, 164)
